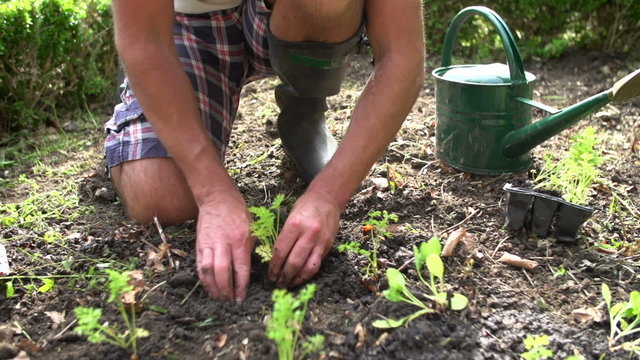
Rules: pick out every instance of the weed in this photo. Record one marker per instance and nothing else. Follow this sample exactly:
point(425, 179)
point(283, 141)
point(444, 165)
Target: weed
point(624, 320)
point(266, 226)
point(573, 174)
point(377, 227)
point(285, 325)
point(559, 271)
point(427, 254)
point(88, 317)
point(39, 207)
point(536, 347)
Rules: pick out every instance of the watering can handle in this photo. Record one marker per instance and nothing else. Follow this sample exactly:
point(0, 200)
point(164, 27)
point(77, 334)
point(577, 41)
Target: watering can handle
point(516, 68)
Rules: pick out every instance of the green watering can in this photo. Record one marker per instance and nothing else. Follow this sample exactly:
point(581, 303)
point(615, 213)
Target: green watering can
point(484, 111)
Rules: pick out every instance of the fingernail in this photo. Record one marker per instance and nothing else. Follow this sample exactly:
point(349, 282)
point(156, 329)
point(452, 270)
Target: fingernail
point(239, 300)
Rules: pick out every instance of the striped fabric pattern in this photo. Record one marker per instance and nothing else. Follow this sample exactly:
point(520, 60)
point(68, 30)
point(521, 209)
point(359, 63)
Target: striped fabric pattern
point(220, 52)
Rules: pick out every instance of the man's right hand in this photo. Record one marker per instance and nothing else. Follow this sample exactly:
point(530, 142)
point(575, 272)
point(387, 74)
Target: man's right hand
point(223, 247)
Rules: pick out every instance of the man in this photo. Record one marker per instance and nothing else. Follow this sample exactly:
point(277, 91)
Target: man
point(186, 63)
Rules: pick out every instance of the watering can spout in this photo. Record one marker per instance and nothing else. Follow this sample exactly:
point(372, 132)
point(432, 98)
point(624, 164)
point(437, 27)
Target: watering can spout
point(520, 141)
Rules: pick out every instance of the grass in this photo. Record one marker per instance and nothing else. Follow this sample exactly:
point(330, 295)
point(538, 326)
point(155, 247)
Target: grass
point(41, 210)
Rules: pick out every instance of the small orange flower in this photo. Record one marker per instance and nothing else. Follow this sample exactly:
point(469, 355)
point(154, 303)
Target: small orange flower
point(368, 227)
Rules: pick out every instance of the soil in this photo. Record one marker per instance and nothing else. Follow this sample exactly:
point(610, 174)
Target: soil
point(506, 303)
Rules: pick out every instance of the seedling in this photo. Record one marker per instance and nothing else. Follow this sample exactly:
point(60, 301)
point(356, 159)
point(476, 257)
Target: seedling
point(266, 226)
point(377, 227)
point(536, 347)
point(559, 271)
point(285, 325)
point(427, 254)
point(572, 175)
point(624, 320)
point(88, 317)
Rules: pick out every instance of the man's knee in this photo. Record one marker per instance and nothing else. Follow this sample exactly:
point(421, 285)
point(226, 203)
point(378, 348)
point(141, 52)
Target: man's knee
point(154, 188)
point(313, 20)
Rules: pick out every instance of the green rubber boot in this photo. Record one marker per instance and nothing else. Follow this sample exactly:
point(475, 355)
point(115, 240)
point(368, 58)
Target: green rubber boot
point(310, 71)
point(301, 126)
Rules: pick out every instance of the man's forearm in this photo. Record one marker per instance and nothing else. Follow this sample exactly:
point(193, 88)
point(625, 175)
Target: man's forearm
point(385, 102)
point(171, 108)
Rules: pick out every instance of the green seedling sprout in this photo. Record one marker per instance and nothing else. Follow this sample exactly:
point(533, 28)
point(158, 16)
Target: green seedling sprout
point(536, 346)
point(624, 320)
point(377, 226)
point(426, 255)
point(572, 175)
point(266, 226)
point(89, 317)
point(285, 325)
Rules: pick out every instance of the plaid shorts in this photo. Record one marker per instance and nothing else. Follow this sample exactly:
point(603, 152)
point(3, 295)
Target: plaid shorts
point(220, 52)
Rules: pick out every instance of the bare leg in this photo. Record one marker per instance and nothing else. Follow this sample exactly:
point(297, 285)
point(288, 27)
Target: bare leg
point(154, 187)
point(328, 21)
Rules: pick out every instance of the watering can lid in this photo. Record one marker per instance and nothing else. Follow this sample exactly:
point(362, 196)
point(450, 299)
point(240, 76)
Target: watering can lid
point(480, 74)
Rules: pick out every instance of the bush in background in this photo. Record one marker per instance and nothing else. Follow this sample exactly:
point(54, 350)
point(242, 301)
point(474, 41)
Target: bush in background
point(545, 28)
point(56, 56)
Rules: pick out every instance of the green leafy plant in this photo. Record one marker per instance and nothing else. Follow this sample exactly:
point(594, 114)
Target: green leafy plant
point(624, 320)
point(572, 175)
point(536, 347)
point(285, 325)
point(377, 228)
point(58, 55)
point(89, 317)
point(427, 254)
point(266, 225)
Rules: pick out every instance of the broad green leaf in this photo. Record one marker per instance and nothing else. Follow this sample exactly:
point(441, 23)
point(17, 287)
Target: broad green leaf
point(459, 302)
point(634, 303)
point(47, 285)
point(396, 279)
point(606, 294)
point(623, 324)
point(389, 323)
point(435, 266)
point(396, 286)
point(419, 258)
point(615, 309)
point(11, 291)
point(433, 246)
point(393, 295)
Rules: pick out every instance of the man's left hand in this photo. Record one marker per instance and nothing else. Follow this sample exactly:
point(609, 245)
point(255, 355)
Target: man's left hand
point(307, 236)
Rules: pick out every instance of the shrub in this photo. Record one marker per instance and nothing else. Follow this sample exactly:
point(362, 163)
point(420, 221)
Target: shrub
point(545, 28)
point(56, 56)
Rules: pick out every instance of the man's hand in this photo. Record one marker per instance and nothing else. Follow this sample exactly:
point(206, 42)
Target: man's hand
point(307, 236)
point(223, 246)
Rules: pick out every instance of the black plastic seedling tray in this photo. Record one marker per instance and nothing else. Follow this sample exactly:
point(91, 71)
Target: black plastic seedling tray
point(539, 213)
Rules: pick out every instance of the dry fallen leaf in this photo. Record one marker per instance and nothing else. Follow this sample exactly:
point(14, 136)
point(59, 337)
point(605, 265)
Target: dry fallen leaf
point(453, 240)
point(517, 261)
point(181, 253)
point(587, 314)
point(220, 340)
point(361, 332)
point(394, 176)
point(28, 345)
point(382, 339)
point(56, 317)
point(136, 279)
